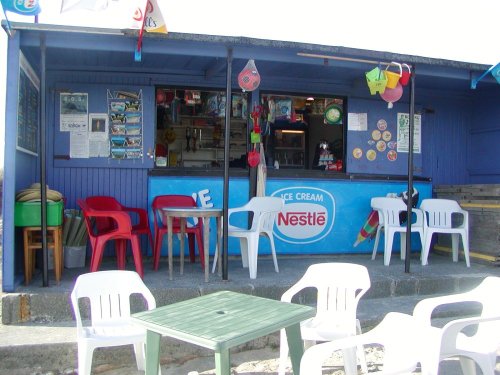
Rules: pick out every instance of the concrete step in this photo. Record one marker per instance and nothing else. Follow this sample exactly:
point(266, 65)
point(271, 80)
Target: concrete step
point(35, 303)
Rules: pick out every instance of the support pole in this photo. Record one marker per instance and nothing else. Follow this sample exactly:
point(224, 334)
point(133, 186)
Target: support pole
point(42, 157)
point(410, 171)
point(225, 194)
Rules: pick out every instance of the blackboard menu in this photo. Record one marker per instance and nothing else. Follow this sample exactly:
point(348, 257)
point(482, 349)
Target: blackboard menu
point(28, 118)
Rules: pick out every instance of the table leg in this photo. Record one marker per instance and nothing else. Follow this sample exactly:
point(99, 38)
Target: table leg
point(152, 353)
point(295, 346)
point(219, 245)
point(169, 236)
point(222, 363)
point(206, 241)
point(181, 252)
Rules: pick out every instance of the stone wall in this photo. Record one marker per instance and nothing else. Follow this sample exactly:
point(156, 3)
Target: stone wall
point(483, 204)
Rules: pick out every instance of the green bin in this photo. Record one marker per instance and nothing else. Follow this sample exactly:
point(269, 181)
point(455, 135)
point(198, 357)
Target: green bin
point(27, 214)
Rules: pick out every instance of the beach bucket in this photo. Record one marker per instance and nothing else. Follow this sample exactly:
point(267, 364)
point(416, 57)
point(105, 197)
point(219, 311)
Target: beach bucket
point(376, 80)
point(405, 75)
point(392, 77)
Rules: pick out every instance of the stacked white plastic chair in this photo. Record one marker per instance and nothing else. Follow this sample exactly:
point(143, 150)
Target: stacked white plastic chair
point(439, 216)
point(388, 210)
point(339, 287)
point(397, 333)
point(449, 341)
point(109, 323)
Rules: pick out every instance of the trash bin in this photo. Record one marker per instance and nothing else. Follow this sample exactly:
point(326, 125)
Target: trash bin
point(74, 256)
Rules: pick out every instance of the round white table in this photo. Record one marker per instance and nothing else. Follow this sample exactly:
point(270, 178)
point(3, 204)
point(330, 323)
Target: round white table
point(204, 213)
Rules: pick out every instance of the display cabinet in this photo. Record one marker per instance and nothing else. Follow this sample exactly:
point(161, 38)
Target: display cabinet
point(289, 148)
point(192, 126)
point(200, 143)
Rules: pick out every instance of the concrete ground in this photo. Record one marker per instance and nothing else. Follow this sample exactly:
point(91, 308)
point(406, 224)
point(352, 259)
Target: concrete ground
point(38, 335)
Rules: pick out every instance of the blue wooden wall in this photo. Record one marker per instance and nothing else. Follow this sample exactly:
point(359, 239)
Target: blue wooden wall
point(483, 163)
point(460, 137)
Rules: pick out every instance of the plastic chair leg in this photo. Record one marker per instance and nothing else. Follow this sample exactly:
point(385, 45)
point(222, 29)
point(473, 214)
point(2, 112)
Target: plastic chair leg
point(360, 351)
point(136, 251)
point(427, 248)
point(389, 238)
point(216, 254)
point(273, 252)
point(375, 244)
point(85, 354)
point(253, 250)
point(140, 357)
point(157, 251)
point(350, 364)
point(283, 352)
point(120, 249)
point(455, 239)
point(244, 251)
point(402, 245)
point(465, 241)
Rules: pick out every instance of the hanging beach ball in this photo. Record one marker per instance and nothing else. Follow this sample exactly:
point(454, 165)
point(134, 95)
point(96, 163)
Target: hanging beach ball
point(249, 77)
point(392, 95)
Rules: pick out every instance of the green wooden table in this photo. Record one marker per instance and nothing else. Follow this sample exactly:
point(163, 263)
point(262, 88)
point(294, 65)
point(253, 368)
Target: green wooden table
point(220, 321)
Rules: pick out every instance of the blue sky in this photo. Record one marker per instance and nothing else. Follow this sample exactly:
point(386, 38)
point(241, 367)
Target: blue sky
point(448, 29)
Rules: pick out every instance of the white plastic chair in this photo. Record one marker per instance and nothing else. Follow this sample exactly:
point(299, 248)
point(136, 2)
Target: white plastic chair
point(439, 215)
point(264, 211)
point(388, 211)
point(109, 295)
point(397, 333)
point(450, 341)
point(339, 287)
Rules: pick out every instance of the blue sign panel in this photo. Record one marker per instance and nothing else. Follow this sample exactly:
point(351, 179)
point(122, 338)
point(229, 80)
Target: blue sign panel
point(319, 217)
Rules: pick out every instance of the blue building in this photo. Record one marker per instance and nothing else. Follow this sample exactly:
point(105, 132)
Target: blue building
point(165, 117)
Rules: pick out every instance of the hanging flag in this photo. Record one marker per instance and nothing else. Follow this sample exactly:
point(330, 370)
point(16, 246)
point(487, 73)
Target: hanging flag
point(22, 7)
point(154, 22)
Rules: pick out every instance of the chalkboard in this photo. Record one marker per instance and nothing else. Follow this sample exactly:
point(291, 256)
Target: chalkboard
point(28, 105)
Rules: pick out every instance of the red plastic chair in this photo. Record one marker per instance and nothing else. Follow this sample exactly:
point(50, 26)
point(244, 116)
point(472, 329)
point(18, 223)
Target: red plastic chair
point(161, 227)
point(103, 202)
point(119, 228)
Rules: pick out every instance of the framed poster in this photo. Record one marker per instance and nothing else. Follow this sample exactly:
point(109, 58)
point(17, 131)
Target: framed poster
point(74, 112)
point(28, 108)
point(98, 135)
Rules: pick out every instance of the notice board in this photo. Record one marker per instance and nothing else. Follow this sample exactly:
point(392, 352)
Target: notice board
point(28, 108)
point(377, 138)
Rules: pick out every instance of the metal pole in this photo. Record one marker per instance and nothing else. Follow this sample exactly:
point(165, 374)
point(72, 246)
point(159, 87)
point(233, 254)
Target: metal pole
point(410, 171)
point(225, 194)
point(42, 157)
